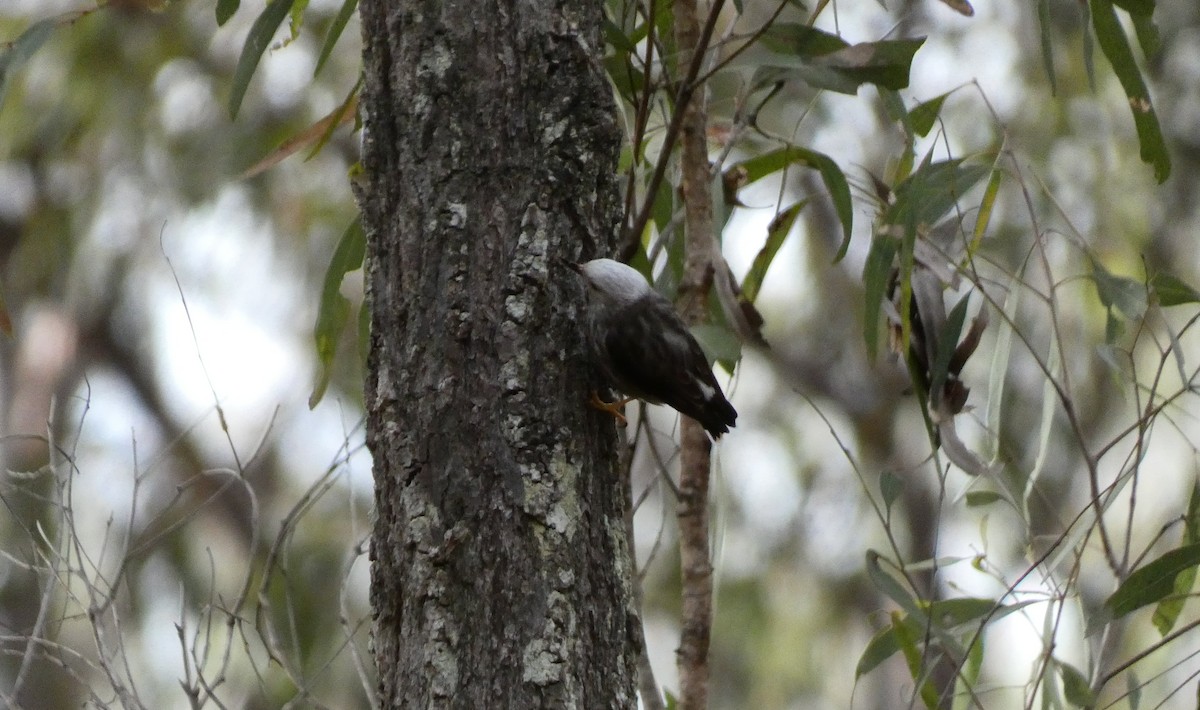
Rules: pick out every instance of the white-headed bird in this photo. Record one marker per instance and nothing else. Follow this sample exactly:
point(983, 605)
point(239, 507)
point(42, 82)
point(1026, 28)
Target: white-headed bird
point(645, 349)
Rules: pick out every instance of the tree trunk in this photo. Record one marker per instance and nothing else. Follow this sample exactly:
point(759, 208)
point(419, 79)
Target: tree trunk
point(501, 575)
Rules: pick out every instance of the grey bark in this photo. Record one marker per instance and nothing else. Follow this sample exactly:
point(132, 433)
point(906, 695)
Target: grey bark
point(501, 574)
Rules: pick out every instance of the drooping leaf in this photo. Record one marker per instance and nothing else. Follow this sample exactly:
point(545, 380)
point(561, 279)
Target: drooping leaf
point(891, 587)
point(885, 64)
point(890, 487)
point(615, 37)
point(335, 32)
point(629, 84)
point(261, 33)
point(801, 40)
point(877, 273)
point(1148, 584)
point(962, 7)
point(316, 135)
point(986, 205)
point(1047, 44)
point(1136, 8)
point(908, 638)
point(978, 499)
point(719, 343)
point(946, 614)
point(1134, 687)
point(928, 195)
point(6, 324)
point(334, 310)
point(1115, 45)
point(1168, 610)
point(21, 50)
point(226, 10)
point(880, 648)
point(969, 676)
point(296, 18)
point(894, 108)
point(1124, 294)
point(760, 166)
point(777, 232)
point(1089, 48)
point(924, 114)
point(1147, 34)
point(1076, 688)
point(947, 342)
point(1172, 291)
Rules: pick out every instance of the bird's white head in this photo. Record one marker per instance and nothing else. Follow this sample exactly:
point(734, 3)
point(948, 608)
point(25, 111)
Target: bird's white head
point(613, 283)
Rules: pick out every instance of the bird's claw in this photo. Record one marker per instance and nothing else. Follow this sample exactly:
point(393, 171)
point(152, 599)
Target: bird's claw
point(613, 408)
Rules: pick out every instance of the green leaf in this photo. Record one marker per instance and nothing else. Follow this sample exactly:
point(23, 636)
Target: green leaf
point(978, 499)
point(1134, 687)
point(801, 40)
point(225, 10)
point(923, 115)
point(1075, 686)
point(1125, 294)
point(766, 164)
point(261, 33)
point(907, 638)
point(1044, 25)
point(1172, 291)
point(969, 675)
point(986, 205)
point(891, 587)
point(1142, 8)
point(6, 324)
point(629, 84)
point(1150, 583)
point(21, 50)
point(877, 272)
point(1147, 34)
point(616, 38)
point(719, 343)
point(949, 613)
point(1191, 521)
point(334, 310)
point(1115, 45)
point(947, 341)
point(1168, 610)
point(335, 32)
point(885, 63)
point(777, 232)
point(341, 115)
point(880, 648)
point(890, 487)
point(297, 17)
point(933, 189)
point(946, 614)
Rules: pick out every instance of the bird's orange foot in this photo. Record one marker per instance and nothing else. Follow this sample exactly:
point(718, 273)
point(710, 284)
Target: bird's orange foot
point(613, 408)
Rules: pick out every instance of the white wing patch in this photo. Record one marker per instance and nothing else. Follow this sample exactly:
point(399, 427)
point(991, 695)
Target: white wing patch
point(705, 390)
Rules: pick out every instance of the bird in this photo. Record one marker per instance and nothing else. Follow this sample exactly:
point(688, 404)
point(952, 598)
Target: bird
point(645, 350)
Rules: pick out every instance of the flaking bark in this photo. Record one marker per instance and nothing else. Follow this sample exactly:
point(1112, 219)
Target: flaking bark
point(500, 574)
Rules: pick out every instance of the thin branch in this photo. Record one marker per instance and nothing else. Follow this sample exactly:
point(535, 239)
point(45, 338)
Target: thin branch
point(683, 97)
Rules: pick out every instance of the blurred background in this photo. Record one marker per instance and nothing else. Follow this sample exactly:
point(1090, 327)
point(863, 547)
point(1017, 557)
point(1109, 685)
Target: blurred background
point(164, 472)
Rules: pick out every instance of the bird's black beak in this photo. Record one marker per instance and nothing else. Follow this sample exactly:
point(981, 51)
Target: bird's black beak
point(570, 265)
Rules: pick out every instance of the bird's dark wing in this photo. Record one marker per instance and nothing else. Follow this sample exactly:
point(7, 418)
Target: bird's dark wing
point(652, 355)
